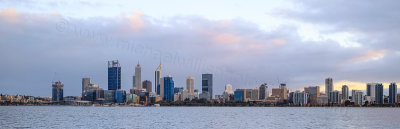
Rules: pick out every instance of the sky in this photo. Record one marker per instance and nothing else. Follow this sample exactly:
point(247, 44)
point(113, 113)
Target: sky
point(243, 43)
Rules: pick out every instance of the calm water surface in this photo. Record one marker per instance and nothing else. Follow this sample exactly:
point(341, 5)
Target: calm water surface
point(198, 117)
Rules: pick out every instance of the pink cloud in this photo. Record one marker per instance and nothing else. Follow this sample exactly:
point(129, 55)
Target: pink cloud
point(371, 55)
point(10, 15)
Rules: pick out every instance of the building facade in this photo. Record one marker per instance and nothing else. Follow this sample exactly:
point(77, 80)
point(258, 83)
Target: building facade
point(57, 92)
point(313, 93)
point(264, 94)
point(147, 85)
point(207, 84)
point(157, 79)
point(328, 85)
point(379, 93)
point(190, 84)
point(393, 93)
point(168, 88)
point(138, 77)
point(345, 92)
point(114, 75)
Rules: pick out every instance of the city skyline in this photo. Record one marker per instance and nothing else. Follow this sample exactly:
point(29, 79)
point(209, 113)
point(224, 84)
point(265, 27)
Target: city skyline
point(242, 43)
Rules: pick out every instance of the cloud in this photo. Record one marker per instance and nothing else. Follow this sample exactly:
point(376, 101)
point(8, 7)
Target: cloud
point(236, 51)
point(371, 55)
point(10, 15)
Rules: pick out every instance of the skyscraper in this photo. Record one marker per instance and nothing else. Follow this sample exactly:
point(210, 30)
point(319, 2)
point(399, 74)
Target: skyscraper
point(345, 92)
point(371, 90)
point(328, 85)
point(393, 93)
point(157, 77)
point(58, 92)
point(85, 85)
point(114, 75)
point(379, 93)
point(300, 98)
point(263, 91)
point(190, 84)
point(147, 85)
point(207, 84)
point(168, 88)
point(138, 76)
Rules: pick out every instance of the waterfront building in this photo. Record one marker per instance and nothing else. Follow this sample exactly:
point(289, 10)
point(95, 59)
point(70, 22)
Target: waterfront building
point(322, 99)
point(190, 84)
point(264, 94)
point(328, 85)
point(161, 87)
point(57, 92)
point(280, 92)
point(138, 77)
point(228, 92)
point(85, 85)
point(300, 98)
point(371, 91)
point(357, 97)
point(334, 97)
point(205, 95)
point(345, 92)
point(178, 89)
point(157, 80)
point(120, 96)
point(207, 84)
point(114, 75)
point(147, 85)
point(379, 93)
point(168, 88)
point(393, 93)
point(109, 96)
point(187, 95)
point(313, 92)
point(238, 95)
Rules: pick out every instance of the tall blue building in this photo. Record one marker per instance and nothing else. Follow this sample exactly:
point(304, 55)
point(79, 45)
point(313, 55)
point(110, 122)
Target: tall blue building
point(114, 75)
point(157, 76)
point(238, 95)
point(207, 84)
point(168, 88)
point(393, 93)
point(379, 93)
point(120, 96)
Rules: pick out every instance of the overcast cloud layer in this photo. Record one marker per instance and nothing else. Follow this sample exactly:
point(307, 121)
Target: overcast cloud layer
point(354, 42)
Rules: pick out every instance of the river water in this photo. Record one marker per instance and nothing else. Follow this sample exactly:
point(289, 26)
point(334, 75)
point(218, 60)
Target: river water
point(197, 117)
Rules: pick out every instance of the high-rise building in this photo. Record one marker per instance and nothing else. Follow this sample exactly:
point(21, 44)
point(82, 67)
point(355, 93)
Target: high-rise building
point(263, 91)
point(85, 85)
point(371, 90)
point(393, 93)
point(157, 77)
point(190, 84)
point(161, 87)
point(120, 96)
point(328, 85)
point(300, 98)
point(313, 92)
point(379, 93)
point(239, 95)
point(58, 92)
point(356, 97)
point(168, 88)
point(207, 84)
point(147, 85)
point(133, 81)
point(138, 77)
point(334, 97)
point(114, 75)
point(345, 92)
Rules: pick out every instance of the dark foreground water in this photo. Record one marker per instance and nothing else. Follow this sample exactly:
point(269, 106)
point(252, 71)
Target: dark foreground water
point(198, 117)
